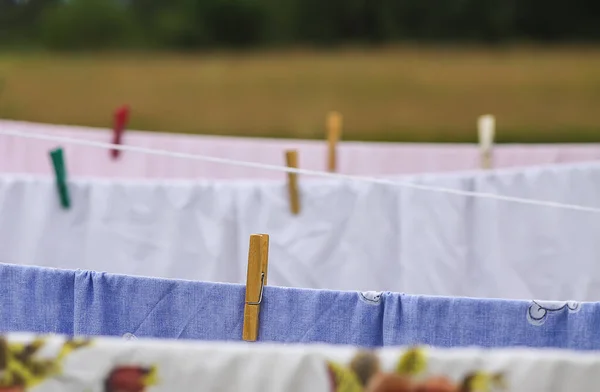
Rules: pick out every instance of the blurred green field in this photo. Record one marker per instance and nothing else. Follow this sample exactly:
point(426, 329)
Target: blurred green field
point(392, 94)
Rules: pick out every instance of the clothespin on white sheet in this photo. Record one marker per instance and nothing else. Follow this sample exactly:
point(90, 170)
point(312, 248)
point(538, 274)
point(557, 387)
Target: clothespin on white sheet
point(60, 171)
point(291, 160)
point(256, 280)
point(486, 127)
point(334, 134)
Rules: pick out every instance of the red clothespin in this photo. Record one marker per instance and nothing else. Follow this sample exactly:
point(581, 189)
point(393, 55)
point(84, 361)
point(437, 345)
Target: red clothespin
point(121, 118)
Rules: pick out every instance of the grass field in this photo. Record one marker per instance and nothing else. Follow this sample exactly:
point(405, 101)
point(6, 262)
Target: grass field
point(400, 94)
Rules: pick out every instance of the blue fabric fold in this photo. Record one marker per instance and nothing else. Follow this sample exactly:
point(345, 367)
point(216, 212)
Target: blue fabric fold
point(38, 300)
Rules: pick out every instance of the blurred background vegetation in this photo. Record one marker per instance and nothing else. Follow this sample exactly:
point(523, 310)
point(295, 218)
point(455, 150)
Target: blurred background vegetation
point(193, 24)
point(416, 70)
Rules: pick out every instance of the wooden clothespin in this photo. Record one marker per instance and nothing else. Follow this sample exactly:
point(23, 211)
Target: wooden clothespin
point(486, 125)
point(256, 280)
point(121, 118)
point(60, 171)
point(291, 160)
point(334, 133)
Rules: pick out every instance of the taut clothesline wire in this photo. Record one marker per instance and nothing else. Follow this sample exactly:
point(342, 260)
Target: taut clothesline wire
point(285, 169)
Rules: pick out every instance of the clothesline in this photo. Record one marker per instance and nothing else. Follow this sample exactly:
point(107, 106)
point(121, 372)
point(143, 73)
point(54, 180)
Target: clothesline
point(286, 169)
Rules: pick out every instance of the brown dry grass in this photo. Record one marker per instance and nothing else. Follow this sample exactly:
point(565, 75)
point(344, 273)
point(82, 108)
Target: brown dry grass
point(387, 94)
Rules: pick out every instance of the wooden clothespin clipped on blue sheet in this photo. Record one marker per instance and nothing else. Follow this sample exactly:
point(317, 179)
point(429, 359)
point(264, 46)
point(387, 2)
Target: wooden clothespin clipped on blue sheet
point(486, 128)
point(256, 280)
point(291, 160)
point(60, 171)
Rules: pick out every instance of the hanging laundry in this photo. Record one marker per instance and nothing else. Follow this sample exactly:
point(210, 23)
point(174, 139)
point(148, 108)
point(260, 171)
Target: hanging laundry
point(53, 362)
point(355, 158)
point(350, 236)
point(98, 303)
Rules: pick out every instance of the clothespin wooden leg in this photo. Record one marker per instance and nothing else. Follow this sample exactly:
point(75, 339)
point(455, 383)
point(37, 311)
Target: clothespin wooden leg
point(256, 280)
point(486, 125)
point(334, 133)
point(60, 171)
point(291, 160)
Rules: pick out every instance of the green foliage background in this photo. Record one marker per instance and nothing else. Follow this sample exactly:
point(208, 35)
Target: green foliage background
point(193, 24)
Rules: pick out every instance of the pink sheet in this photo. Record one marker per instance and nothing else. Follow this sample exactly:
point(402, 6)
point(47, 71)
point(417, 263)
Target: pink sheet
point(20, 155)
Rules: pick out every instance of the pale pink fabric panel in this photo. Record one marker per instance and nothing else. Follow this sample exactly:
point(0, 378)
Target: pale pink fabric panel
point(539, 154)
point(20, 155)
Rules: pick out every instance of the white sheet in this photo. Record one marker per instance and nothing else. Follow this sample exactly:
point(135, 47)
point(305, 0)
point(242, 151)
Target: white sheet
point(349, 236)
point(113, 365)
point(19, 155)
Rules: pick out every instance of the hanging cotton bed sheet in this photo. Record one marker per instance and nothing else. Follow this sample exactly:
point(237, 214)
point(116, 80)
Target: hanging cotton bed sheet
point(348, 236)
point(41, 300)
point(22, 155)
point(55, 363)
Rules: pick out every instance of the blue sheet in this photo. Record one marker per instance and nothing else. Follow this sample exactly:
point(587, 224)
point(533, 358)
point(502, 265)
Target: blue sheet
point(93, 303)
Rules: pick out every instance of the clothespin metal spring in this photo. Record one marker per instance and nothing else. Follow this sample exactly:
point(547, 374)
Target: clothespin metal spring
point(262, 287)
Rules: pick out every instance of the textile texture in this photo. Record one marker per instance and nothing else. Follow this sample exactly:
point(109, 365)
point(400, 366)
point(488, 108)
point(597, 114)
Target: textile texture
point(348, 235)
point(20, 155)
point(56, 363)
point(44, 300)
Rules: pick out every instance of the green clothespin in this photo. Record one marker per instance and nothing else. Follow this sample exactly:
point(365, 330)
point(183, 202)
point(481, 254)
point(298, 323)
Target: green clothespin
point(60, 170)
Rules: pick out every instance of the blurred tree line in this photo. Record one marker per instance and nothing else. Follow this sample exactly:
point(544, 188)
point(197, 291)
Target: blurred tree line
point(190, 24)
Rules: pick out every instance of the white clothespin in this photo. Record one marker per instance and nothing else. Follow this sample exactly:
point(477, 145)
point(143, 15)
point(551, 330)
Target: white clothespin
point(486, 127)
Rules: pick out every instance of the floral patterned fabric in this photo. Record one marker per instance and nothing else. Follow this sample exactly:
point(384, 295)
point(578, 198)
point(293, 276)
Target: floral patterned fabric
point(409, 375)
point(57, 363)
